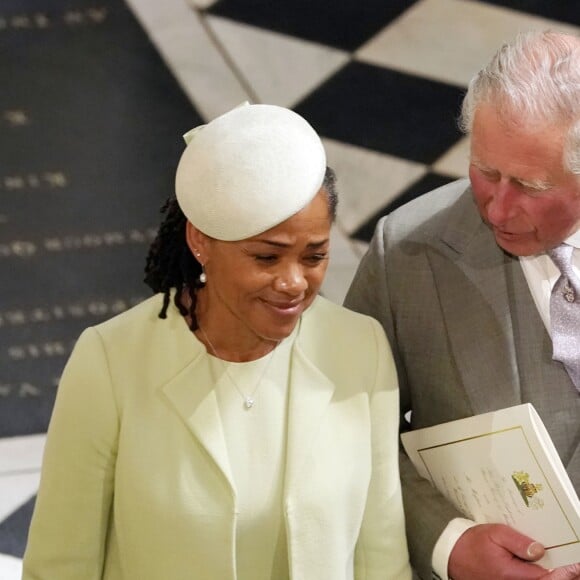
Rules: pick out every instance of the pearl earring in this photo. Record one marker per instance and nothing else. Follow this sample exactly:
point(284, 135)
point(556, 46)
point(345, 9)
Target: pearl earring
point(203, 276)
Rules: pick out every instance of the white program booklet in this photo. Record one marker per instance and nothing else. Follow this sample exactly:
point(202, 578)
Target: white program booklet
point(502, 467)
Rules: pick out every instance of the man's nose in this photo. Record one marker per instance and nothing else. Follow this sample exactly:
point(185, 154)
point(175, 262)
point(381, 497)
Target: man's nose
point(502, 204)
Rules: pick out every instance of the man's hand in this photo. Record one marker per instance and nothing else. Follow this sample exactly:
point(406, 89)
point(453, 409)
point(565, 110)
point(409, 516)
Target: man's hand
point(497, 551)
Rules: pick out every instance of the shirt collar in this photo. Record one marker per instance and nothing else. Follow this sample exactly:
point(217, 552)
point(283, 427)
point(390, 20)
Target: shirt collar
point(574, 239)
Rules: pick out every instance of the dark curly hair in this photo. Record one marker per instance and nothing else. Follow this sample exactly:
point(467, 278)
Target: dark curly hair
point(170, 262)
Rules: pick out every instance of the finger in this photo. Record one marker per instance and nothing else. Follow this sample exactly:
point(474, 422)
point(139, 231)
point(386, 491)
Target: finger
point(518, 544)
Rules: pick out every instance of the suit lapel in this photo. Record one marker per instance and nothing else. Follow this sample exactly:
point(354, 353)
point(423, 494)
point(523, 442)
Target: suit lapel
point(545, 383)
point(533, 343)
point(469, 271)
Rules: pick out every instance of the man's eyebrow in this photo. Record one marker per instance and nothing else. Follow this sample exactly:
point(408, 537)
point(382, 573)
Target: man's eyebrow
point(537, 184)
point(479, 164)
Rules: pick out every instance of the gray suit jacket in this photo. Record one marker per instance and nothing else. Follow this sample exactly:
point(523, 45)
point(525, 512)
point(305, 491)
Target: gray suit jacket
point(466, 336)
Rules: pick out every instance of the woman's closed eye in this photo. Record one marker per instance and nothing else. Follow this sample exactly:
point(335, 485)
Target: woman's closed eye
point(317, 258)
point(266, 258)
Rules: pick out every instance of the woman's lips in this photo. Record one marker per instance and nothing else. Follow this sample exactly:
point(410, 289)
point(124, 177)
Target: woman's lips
point(285, 308)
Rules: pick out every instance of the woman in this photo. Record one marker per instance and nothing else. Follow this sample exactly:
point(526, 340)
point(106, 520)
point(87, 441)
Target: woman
point(235, 425)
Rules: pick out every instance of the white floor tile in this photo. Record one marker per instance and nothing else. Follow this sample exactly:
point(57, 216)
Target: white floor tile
point(455, 162)
point(337, 283)
point(367, 181)
point(201, 3)
point(16, 490)
point(21, 454)
point(343, 263)
point(280, 69)
point(10, 568)
point(448, 40)
point(186, 45)
point(359, 247)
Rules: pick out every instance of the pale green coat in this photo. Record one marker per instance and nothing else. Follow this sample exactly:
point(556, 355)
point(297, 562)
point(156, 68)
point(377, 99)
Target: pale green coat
point(136, 483)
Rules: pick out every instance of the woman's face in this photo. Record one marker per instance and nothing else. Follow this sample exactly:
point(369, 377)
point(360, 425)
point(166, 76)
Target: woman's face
point(257, 288)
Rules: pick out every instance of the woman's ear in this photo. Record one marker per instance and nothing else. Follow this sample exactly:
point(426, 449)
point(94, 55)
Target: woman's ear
point(197, 242)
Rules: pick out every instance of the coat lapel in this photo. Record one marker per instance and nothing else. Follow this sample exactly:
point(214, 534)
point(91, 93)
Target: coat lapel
point(310, 394)
point(192, 394)
point(469, 270)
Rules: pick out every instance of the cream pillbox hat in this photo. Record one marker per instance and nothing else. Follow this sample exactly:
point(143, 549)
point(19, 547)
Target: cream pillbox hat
point(248, 171)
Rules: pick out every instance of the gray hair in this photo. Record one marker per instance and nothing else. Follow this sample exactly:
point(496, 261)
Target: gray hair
point(538, 76)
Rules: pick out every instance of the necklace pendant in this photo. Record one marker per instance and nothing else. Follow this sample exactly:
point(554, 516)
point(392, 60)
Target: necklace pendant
point(248, 402)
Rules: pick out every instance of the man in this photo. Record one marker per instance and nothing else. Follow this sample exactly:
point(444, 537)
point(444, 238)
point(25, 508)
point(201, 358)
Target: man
point(461, 282)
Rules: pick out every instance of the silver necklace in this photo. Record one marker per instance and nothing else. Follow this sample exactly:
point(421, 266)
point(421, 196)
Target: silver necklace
point(249, 400)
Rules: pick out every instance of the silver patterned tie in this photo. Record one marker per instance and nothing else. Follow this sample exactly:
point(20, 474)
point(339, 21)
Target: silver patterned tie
point(565, 313)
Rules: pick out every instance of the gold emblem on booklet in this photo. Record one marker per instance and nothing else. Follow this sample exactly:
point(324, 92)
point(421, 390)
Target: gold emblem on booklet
point(529, 491)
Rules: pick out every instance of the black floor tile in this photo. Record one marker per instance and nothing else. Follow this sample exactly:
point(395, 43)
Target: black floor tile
point(14, 530)
point(346, 24)
point(564, 10)
point(377, 108)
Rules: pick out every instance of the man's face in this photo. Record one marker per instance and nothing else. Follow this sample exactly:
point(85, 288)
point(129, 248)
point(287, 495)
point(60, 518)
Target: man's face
point(520, 185)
